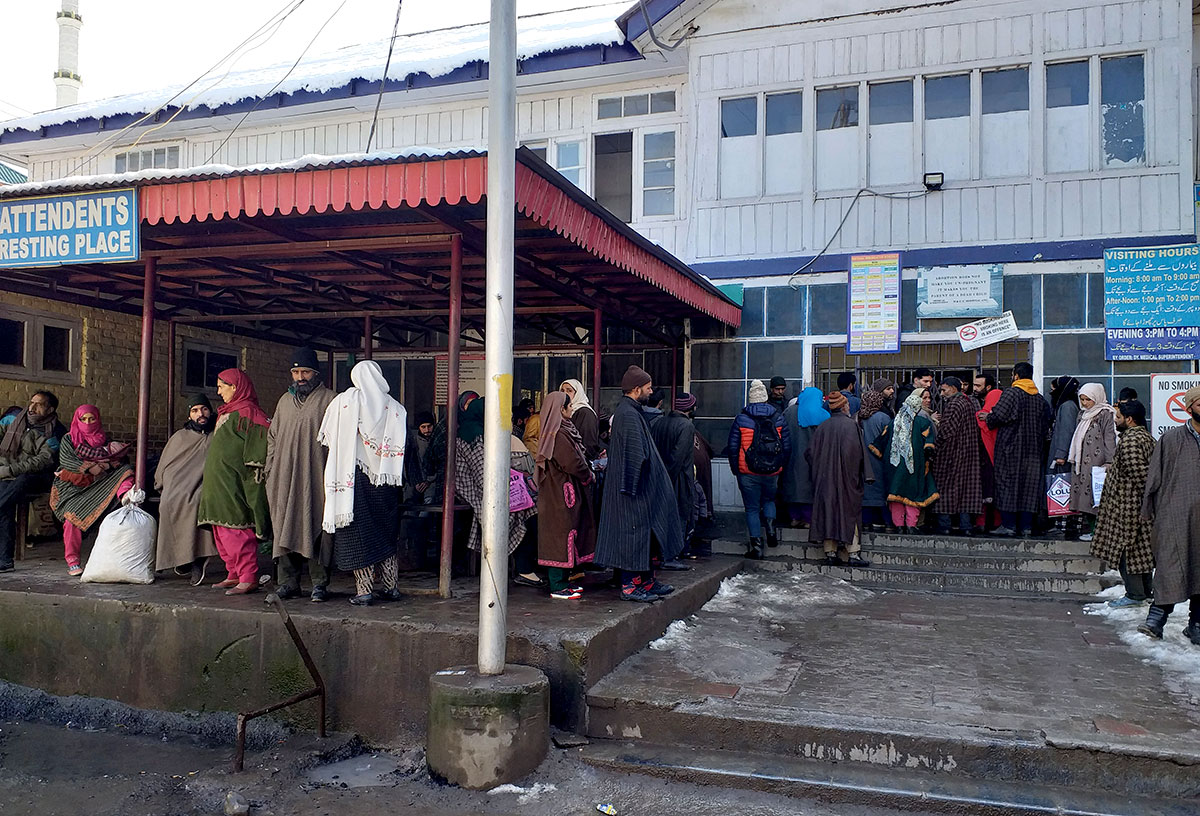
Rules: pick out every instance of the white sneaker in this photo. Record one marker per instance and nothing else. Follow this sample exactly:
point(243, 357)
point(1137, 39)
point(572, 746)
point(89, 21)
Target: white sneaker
point(1086, 537)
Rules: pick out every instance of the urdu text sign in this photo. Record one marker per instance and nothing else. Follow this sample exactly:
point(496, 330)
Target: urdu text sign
point(92, 227)
point(1152, 303)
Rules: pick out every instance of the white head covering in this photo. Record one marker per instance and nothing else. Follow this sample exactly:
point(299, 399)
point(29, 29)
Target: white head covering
point(363, 428)
point(757, 393)
point(1095, 392)
point(580, 400)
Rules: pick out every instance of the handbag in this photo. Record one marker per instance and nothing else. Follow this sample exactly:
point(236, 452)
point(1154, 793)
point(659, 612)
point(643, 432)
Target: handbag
point(1058, 494)
point(518, 492)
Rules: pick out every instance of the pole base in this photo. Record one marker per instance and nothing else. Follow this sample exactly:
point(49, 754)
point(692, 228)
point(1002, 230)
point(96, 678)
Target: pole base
point(486, 731)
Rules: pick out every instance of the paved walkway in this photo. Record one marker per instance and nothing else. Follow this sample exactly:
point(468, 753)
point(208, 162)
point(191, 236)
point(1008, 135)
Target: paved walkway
point(793, 646)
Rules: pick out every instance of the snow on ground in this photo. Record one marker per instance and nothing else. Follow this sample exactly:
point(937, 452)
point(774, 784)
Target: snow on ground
point(1178, 657)
point(783, 595)
point(435, 53)
point(525, 795)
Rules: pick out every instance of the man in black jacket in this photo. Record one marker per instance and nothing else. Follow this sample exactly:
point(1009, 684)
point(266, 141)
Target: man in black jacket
point(674, 436)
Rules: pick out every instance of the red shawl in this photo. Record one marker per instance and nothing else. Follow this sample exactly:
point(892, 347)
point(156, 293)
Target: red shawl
point(245, 398)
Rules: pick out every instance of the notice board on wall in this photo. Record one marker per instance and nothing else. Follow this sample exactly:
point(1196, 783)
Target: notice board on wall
point(874, 304)
point(1152, 303)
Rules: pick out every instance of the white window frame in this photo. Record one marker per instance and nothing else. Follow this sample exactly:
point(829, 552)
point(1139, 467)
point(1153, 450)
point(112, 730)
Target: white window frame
point(638, 169)
point(760, 141)
point(582, 167)
point(31, 370)
point(190, 344)
point(150, 148)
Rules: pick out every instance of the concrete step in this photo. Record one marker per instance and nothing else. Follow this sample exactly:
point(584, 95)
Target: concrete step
point(963, 544)
point(922, 764)
point(868, 785)
point(1046, 585)
point(932, 558)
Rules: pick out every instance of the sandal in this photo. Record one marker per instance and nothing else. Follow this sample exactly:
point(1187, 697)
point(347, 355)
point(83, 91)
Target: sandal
point(226, 584)
point(74, 570)
point(242, 589)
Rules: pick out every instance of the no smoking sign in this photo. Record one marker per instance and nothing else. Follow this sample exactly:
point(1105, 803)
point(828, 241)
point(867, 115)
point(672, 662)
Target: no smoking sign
point(1167, 410)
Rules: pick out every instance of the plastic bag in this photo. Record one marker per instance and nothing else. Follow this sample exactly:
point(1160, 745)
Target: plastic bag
point(124, 551)
point(1058, 495)
point(519, 497)
point(1099, 474)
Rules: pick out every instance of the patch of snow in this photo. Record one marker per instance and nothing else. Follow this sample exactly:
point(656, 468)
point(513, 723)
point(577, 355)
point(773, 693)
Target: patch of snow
point(1112, 573)
point(1177, 656)
point(524, 795)
point(435, 53)
point(673, 638)
point(783, 597)
point(1115, 591)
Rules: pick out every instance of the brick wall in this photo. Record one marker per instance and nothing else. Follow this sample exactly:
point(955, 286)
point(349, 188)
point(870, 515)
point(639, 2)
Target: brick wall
point(108, 377)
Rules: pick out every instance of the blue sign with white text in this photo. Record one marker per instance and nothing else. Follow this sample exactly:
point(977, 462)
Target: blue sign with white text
point(1152, 303)
point(65, 229)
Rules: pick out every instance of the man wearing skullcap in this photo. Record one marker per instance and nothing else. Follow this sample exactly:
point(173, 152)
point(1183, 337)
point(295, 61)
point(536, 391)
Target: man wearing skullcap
point(638, 517)
point(296, 479)
point(778, 393)
point(178, 478)
point(838, 458)
point(1172, 502)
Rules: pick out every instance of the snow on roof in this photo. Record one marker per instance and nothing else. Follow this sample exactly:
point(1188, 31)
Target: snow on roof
point(309, 162)
point(435, 53)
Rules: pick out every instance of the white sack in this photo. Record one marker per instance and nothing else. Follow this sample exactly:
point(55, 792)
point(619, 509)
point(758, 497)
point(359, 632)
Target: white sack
point(124, 551)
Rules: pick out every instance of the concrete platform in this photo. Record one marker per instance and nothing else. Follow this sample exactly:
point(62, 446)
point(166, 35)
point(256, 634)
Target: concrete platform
point(810, 678)
point(174, 647)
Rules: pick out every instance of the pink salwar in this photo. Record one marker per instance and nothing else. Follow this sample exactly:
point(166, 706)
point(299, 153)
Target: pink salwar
point(239, 550)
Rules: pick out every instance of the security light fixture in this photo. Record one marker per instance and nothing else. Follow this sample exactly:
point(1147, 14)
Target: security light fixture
point(934, 181)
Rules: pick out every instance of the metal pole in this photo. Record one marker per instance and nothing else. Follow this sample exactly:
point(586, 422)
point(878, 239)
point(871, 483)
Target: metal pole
point(368, 340)
point(149, 286)
point(331, 377)
point(453, 345)
point(498, 332)
point(170, 377)
point(597, 329)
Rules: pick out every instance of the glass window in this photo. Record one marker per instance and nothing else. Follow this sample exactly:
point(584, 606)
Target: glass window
point(609, 108)
point(201, 366)
point(1122, 110)
point(739, 117)
point(718, 361)
point(565, 368)
point(527, 379)
point(785, 113)
point(1078, 353)
point(837, 108)
point(120, 163)
point(1067, 84)
point(720, 399)
point(538, 149)
point(1096, 300)
point(613, 366)
point(637, 105)
point(784, 358)
point(658, 174)
point(569, 161)
point(657, 363)
point(1065, 294)
point(715, 431)
point(752, 313)
point(12, 342)
point(948, 97)
point(1005, 91)
point(827, 309)
point(707, 328)
point(1019, 299)
point(891, 102)
point(908, 305)
point(418, 396)
point(662, 102)
point(56, 348)
point(612, 182)
point(785, 309)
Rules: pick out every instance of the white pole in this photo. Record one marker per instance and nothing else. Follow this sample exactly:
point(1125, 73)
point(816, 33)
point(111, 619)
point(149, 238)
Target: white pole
point(501, 222)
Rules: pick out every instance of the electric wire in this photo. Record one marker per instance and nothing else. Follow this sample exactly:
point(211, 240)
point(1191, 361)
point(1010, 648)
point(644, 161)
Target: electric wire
point(383, 80)
point(275, 87)
point(286, 10)
point(654, 37)
point(846, 217)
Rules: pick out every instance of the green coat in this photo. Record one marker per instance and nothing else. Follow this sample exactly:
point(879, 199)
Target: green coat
point(915, 489)
point(233, 492)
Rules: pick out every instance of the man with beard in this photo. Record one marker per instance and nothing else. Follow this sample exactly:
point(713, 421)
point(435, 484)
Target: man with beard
point(638, 518)
point(28, 455)
point(295, 480)
point(178, 478)
point(1173, 504)
point(777, 397)
point(1022, 420)
point(956, 464)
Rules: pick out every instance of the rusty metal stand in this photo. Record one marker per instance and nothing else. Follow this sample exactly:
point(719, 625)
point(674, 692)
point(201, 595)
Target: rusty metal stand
point(317, 691)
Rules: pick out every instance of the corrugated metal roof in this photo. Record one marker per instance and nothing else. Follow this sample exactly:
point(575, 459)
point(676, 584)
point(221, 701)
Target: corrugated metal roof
point(12, 175)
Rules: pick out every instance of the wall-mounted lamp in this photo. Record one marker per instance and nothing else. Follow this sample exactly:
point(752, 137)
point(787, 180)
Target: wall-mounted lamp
point(934, 181)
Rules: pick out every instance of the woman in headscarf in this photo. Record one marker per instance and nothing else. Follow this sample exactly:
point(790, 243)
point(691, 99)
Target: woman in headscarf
point(434, 463)
point(233, 495)
point(583, 417)
point(874, 418)
point(1064, 400)
point(92, 473)
point(905, 448)
point(1093, 445)
point(366, 432)
point(468, 485)
point(803, 416)
point(566, 522)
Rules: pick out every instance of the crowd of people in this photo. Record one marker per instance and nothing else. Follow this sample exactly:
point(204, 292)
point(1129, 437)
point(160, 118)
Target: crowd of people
point(972, 458)
point(325, 480)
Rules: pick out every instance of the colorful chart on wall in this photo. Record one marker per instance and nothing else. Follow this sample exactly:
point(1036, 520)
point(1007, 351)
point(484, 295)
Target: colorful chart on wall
point(874, 304)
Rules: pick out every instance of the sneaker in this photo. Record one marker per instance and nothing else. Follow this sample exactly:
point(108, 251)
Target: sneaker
point(1192, 632)
point(366, 599)
point(1086, 537)
point(319, 594)
point(387, 594)
point(674, 566)
point(659, 589)
point(1003, 532)
point(9, 567)
point(567, 594)
point(1124, 602)
point(286, 593)
point(637, 593)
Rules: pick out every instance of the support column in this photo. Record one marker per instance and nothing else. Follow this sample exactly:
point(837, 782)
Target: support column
point(454, 343)
point(149, 287)
point(674, 377)
point(170, 377)
point(331, 377)
point(498, 333)
point(368, 337)
point(597, 334)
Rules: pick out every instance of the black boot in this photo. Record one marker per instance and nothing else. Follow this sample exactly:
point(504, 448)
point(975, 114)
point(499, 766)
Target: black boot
point(1155, 621)
point(1192, 632)
point(772, 536)
point(754, 549)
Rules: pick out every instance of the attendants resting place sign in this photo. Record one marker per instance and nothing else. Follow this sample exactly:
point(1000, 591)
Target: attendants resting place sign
point(93, 227)
point(1152, 303)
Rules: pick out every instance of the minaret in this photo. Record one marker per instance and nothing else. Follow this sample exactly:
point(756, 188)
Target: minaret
point(67, 78)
